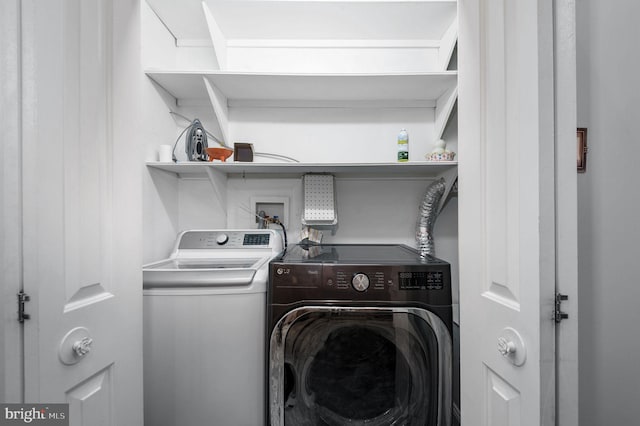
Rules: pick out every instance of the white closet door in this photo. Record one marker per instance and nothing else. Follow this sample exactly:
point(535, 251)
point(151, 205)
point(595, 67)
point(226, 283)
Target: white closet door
point(82, 208)
point(507, 211)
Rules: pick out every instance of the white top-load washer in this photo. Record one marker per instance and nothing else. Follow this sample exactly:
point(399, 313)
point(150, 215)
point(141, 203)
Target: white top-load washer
point(204, 329)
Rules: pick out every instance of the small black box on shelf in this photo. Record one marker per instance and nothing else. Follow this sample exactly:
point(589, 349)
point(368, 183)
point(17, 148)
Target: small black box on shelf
point(243, 152)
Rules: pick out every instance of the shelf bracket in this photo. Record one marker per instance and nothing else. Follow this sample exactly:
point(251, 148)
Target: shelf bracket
point(217, 37)
point(218, 180)
point(447, 46)
point(450, 177)
point(444, 108)
point(220, 109)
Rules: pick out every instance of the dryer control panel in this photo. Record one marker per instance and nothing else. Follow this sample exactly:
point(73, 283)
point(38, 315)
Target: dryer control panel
point(352, 272)
point(292, 282)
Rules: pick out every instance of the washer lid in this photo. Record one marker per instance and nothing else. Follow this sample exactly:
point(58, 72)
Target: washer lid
point(198, 264)
point(215, 258)
point(201, 272)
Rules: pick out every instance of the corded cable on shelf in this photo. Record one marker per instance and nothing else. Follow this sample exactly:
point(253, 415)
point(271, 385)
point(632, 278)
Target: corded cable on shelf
point(173, 151)
point(221, 143)
point(218, 141)
point(269, 155)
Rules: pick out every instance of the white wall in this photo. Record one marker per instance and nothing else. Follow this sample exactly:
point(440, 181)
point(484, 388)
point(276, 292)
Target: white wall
point(608, 38)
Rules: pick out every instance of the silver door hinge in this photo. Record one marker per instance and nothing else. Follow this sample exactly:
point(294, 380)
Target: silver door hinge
point(22, 298)
point(558, 315)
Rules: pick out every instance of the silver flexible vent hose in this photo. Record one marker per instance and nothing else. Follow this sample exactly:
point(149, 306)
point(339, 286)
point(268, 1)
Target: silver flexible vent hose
point(427, 218)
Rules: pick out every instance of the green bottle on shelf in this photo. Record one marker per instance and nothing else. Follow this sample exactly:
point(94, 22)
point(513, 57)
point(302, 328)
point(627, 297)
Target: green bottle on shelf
point(403, 146)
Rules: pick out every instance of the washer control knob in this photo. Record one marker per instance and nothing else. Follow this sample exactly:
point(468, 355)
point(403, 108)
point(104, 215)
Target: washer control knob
point(360, 281)
point(222, 239)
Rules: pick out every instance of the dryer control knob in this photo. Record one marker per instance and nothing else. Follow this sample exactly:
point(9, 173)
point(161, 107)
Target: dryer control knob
point(360, 281)
point(222, 239)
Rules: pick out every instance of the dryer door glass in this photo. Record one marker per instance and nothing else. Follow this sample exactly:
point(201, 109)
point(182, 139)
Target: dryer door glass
point(359, 366)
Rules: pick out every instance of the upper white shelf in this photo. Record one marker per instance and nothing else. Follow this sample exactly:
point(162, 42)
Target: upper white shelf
point(307, 19)
point(418, 89)
point(379, 170)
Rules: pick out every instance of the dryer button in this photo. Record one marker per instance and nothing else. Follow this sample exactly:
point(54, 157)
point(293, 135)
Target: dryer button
point(222, 239)
point(360, 281)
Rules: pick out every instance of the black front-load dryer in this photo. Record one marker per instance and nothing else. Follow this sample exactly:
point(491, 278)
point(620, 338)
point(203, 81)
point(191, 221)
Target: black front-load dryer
point(359, 335)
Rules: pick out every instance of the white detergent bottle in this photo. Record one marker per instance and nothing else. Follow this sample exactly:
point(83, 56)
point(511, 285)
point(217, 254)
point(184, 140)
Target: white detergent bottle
point(403, 146)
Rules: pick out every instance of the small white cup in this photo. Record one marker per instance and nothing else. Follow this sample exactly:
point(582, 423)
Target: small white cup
point(164, 154)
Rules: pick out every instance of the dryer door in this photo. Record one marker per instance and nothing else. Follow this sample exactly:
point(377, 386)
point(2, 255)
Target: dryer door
point(357, 366)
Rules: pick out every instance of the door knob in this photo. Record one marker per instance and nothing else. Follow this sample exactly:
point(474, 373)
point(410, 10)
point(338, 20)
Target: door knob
point(506, 347)
point(511, 346)
point(82, 346)
point(75, 346)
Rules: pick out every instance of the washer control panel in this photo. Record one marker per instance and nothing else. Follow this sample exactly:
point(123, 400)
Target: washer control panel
point(236, 239)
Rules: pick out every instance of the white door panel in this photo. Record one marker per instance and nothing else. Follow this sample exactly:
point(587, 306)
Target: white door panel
point(81, 225)
point(503, 405)
point(507, 210)
point(90, 401)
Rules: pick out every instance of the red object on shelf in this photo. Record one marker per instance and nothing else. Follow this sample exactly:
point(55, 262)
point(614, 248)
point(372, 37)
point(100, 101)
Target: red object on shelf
point(219, 153)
